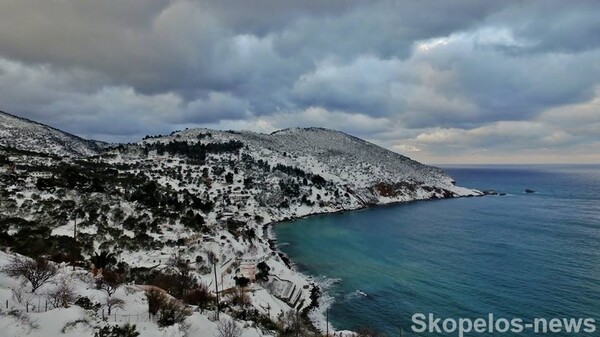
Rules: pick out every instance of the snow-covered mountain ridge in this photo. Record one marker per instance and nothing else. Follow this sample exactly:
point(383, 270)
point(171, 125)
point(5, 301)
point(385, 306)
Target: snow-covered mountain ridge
point(197, 196)
point(28, 135)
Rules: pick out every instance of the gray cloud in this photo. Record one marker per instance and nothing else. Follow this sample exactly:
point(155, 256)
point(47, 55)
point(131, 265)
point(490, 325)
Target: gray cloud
point(553, 26)
point(482, 72)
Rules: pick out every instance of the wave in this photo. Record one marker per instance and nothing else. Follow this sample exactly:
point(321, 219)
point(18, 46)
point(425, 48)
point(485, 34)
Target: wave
point(356, 294)
point(318, 315)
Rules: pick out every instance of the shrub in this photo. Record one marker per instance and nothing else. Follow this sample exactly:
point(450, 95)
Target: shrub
point(87, 304)
point(199, 296)
point(368, 332)
point(172, 312)
point(240, 297)
point(70, 326)
point(242, 282)
point(126, 330)
point(156, 300)
point(228, 328)
point(263, 271)
point(62, 295)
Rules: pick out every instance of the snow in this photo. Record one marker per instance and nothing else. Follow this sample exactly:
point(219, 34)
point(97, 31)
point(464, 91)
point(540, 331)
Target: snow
point(27, 135)
point(353, 170)
point(59, 322)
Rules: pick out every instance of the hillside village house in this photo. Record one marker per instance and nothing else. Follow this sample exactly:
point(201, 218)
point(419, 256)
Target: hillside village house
point(248, 265)
point(40, 175)
point(239, 197)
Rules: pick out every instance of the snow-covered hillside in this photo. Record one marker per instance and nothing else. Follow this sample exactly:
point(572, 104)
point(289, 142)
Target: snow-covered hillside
point(27, 135)
point(201, 200)
point(340, 158)
point(32, 314)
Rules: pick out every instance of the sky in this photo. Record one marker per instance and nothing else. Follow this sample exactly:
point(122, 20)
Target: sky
point(439, 81)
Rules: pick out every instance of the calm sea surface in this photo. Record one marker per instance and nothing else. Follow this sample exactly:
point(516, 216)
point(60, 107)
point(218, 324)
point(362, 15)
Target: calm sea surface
point(519, 255)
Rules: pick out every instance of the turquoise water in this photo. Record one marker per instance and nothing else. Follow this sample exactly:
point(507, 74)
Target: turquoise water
point(518, 255)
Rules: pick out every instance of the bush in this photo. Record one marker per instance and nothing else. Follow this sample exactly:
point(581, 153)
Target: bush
point(242, 282)
point(87, 304)
point(156, 300)
point(263, 271)
point(240, 297)
point(172, 312)
point(126, 330)
point(368, 332)
point(62, 295)
point(228, 328)
point(177, 282)
point(70, 326)
point(199, 296)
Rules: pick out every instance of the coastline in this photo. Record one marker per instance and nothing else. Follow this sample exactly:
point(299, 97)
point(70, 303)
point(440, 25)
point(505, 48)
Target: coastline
point(316, 291)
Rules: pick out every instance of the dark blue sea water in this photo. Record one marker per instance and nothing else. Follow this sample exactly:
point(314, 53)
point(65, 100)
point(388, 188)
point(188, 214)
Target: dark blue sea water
point(518, 255)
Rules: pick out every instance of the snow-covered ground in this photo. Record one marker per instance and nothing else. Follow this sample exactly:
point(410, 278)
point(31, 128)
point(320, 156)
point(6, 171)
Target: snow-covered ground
point(16, 320)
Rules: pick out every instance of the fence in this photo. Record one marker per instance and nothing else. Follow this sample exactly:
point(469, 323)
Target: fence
point(129, 318)
point(40, 304)
point(35, 305)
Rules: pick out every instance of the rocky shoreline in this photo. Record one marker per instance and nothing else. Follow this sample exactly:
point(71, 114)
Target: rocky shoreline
point(315, 291)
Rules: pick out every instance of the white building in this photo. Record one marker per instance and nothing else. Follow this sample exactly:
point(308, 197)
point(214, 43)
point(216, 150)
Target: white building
point(248, 266)
point(40, 175)
point(238, 197)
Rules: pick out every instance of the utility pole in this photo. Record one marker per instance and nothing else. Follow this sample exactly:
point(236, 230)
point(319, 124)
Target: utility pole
point(216, 287)
point(74, 242)
point(327, 323)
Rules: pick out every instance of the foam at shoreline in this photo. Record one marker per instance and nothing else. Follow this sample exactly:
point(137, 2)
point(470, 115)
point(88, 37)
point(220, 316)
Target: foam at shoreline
point(317, 315)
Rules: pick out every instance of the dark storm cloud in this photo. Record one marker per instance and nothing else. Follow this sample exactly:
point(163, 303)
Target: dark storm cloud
point(386, 70)
point(188, 46)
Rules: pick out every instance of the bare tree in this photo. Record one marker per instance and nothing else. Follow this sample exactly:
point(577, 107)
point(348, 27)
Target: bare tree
point(37, 272)
point(63, 295)
point(228, 328)
point(110, 281)
point(293, 324)
point(114, 303)
point(240, 297)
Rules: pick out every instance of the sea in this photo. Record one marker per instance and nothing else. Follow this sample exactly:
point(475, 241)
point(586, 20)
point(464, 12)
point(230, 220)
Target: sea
point(519, 255)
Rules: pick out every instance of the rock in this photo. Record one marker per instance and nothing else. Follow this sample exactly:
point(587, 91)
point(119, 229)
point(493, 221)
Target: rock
point(490, 192)
point(529, 191)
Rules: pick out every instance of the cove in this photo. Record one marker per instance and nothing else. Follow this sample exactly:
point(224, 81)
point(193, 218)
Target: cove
point(521, 255)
